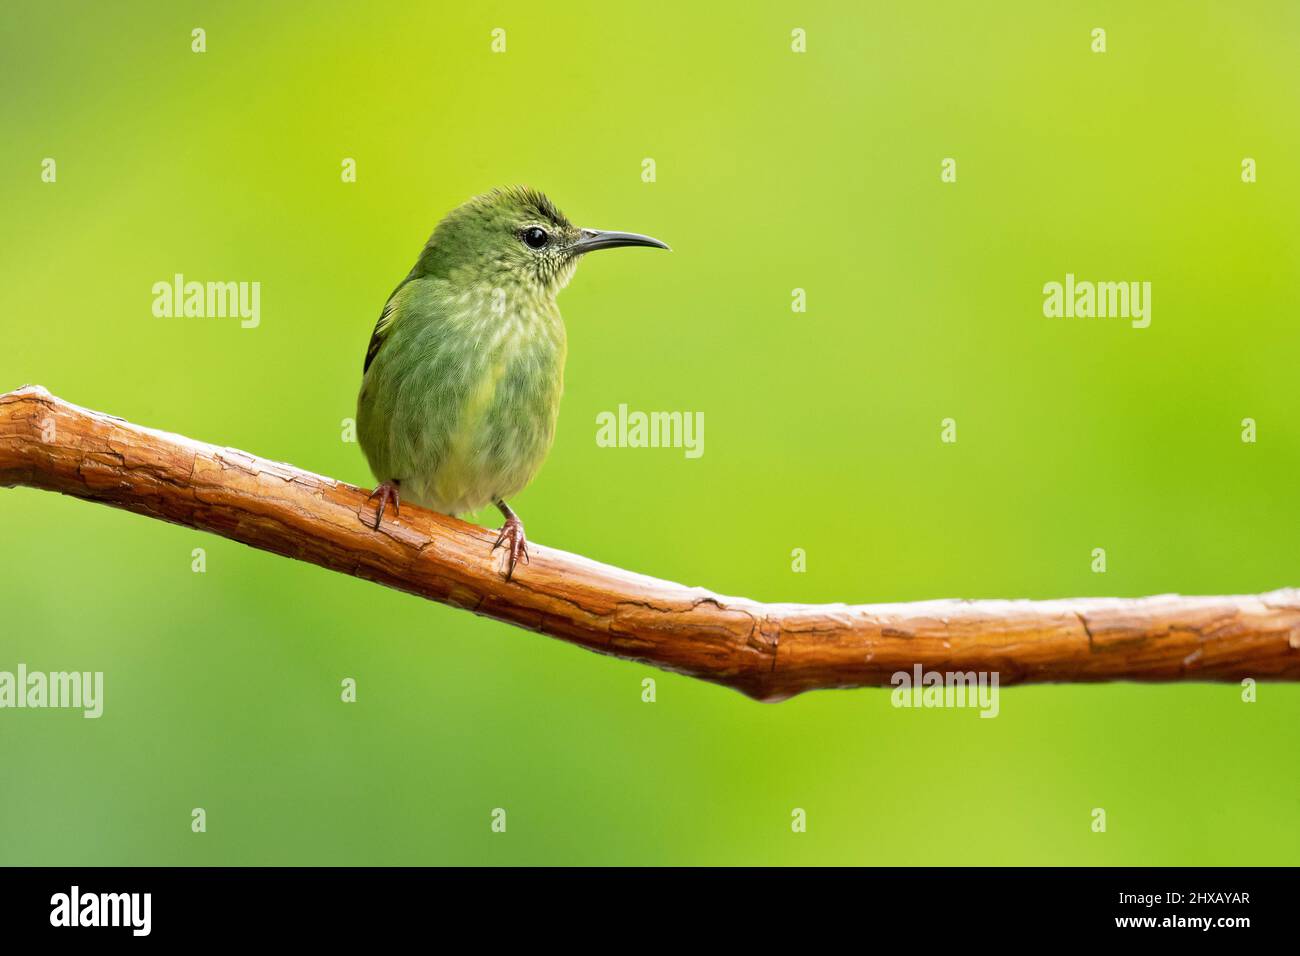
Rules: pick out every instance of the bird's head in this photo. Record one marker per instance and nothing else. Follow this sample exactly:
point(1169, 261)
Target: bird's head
point(515, 233)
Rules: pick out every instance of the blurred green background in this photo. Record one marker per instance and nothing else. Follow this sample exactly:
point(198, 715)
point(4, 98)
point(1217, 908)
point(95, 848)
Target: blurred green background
point(775, 171)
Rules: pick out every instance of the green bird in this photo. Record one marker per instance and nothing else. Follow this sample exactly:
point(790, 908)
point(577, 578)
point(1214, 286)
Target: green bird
point(461, 386)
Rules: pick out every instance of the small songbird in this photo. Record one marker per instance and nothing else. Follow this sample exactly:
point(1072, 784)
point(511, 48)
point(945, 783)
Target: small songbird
point(461, 386)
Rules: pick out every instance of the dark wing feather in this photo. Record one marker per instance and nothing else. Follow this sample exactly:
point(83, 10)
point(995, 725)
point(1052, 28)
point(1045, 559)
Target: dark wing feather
point(380, 334)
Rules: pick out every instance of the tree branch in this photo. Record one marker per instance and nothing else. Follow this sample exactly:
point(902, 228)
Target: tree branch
point(768, 651)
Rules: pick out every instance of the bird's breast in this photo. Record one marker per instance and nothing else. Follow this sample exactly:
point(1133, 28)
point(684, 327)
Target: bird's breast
point(463, 400)
point(506, 422)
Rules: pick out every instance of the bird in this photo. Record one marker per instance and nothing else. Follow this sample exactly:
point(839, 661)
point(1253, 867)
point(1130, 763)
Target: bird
point(461, 385)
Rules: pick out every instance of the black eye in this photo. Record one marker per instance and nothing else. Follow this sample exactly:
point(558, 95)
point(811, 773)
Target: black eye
point(535, 237)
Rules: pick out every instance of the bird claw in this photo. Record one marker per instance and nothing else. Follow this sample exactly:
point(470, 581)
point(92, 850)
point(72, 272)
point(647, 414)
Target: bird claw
point(385, 492)
point(512, 539)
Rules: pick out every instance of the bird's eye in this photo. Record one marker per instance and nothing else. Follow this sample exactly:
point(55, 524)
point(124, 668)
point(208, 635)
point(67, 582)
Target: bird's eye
point(535, 237)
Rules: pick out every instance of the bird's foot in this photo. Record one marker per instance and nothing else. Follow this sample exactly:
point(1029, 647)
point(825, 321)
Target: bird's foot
point(386, 492)
point(512, 539)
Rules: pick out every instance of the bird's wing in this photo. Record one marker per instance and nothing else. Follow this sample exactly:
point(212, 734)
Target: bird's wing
point(381, 332)
point(385, 323)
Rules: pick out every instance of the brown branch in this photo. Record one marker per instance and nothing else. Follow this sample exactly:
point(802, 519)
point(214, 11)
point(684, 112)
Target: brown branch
point(769, 651)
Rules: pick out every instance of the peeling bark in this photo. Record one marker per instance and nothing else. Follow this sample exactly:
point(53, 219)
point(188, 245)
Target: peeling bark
point(768, 651)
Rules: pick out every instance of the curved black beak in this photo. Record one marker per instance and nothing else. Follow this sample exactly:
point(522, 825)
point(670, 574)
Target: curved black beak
point(593, 239)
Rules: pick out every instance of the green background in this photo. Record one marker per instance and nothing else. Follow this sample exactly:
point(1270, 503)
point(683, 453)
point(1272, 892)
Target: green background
point(775, 170)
